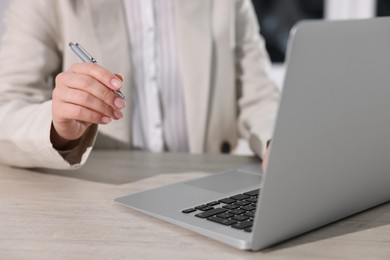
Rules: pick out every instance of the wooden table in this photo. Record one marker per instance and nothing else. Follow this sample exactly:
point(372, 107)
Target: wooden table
point(71, 215)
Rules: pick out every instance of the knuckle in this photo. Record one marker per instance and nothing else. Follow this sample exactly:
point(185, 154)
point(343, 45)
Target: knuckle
point(60, 78)
point(74, 67)
point(56, 96)
point(101, 74)
point(84, 97)
point(90, 68)
point(106, 93)
point(78, 112)
point(107, 110)
point(94, 117)
point(54, 93)
point(106, 77)
point(83, 68)
point(82, 114)
point(58, 93)
point(61, 110)
point(86, 82)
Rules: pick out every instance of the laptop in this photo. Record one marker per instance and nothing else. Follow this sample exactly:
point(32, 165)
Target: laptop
point(330, 151)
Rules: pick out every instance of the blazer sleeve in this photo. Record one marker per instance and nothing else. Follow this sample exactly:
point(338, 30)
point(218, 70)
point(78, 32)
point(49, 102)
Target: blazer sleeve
point(29, 60)
point(258, 94)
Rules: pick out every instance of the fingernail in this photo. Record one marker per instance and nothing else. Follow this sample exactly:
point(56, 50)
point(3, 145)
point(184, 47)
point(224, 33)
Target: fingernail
point(120, 76)
point(118, 114)
point(106, 120)
point(116, 83)
point(119, 103)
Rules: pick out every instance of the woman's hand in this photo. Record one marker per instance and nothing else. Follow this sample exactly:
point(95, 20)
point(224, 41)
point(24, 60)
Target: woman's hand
point(265, 160)
point(83, 96)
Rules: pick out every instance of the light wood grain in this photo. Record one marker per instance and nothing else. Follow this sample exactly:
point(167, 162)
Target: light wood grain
point(54, 216)
point(133, 165)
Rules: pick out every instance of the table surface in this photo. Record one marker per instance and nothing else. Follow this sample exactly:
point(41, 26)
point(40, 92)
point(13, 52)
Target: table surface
point(47, 214)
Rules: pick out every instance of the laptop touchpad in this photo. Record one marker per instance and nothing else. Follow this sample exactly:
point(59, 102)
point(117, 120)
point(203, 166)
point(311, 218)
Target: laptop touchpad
point(227, 182)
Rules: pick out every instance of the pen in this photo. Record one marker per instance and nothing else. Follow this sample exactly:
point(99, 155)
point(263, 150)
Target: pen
point(86, 57)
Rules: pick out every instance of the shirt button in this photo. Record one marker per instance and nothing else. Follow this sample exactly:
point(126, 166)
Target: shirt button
point(225, 147)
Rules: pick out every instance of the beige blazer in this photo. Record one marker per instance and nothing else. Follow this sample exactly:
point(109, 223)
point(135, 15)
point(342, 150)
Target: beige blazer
point(223, 61)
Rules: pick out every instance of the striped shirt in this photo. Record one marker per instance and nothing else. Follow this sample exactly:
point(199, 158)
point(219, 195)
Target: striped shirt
point(158, 121)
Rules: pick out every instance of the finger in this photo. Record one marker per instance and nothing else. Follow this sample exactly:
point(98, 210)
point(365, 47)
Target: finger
point(87, 100)
point(264, 163)
point(83, 114)
point(120, 76)
point(98, 72)
point(92, 86)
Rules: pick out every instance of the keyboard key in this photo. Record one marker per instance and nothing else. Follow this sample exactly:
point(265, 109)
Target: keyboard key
point(248, 208)
point(227, 201)
point(240, 197)
point(242, 203)
point(186, 211)
point(225, 215)
point(243, 225)
point(231, 206)
point(240, 218)
point(237, 211)
point(251, 200)
point(204, 207)
point(210, 213)
point(213, 203)
point(250, 214)
point(226, 222)
point(253, 192)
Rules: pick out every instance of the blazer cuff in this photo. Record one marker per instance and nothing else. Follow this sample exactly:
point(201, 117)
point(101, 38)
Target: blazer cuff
point(75, 156)
point(258, 145)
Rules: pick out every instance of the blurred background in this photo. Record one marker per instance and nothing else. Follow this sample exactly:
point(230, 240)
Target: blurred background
point(3, 6)
point(277, 17)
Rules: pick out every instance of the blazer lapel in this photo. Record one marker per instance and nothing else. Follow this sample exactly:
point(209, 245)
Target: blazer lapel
point(193, 31)
point(110, 27)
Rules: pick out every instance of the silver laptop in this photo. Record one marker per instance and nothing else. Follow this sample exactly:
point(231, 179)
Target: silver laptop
point(330, 150)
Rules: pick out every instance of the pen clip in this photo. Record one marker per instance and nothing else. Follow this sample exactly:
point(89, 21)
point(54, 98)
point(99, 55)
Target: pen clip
point(86, 53)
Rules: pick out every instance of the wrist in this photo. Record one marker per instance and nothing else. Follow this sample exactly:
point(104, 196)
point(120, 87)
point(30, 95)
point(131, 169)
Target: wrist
point(61, 144)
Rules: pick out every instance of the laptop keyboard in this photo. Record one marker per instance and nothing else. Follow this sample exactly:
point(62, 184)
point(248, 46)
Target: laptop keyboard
point(237, 211)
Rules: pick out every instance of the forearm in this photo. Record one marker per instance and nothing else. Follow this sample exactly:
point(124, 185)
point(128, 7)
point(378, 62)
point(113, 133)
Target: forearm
point(259, 97)
point(25, 138)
